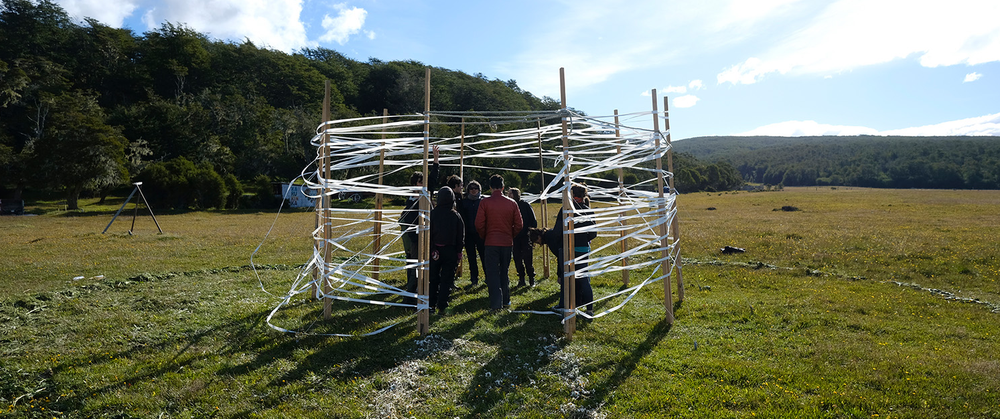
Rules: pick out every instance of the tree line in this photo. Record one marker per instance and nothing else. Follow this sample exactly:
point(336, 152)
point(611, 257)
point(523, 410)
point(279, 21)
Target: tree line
point(86, 108)
point(962, 162)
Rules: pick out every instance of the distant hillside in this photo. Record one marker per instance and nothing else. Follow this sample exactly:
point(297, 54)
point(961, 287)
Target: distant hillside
point(887, 162)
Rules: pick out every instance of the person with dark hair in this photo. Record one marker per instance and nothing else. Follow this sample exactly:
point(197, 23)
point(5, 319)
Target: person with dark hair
point(522, 246)
point(447, 237)
point(468, 207)
point(498, 220)
point(408, 223)
point(581, 241)
point(455, 183)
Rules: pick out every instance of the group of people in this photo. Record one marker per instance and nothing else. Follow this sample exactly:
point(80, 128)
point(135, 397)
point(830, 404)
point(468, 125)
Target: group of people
point(493, 230)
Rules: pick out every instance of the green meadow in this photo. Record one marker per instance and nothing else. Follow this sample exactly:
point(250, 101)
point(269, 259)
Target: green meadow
point(846, 303)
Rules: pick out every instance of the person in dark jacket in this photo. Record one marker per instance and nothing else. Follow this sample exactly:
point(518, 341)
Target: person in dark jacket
point(408, 223)
point(468, 207)
point(447, 237)
point(581, 241)
point(522, 246)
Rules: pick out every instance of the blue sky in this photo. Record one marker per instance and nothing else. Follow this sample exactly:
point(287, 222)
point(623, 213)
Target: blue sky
point(729, 67)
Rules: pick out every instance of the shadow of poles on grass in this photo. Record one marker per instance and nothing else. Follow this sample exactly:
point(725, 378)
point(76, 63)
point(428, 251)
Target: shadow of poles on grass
point(74, 399)
point(524, 347)
point(624, 367)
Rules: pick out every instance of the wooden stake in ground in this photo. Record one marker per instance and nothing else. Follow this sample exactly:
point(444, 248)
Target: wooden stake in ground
point(544, 202)
point(461, 174)
point(569, 268)
point(674, 223)
point(621, 193)
point(327, 214)
point(665, 264)
point(423, 226)
point(377, 243)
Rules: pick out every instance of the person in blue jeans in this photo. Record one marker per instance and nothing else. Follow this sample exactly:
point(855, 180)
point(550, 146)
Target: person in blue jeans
point(523, 253)
point(475, 249)
point(497, 222)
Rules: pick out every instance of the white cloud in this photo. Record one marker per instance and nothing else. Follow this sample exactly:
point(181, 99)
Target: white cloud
point(983, 125)
point(849, 34)
point(273, 23)
point(973, 76)
point(108, 12)
point(808, 128)
point(696, 85)
point(675, 89)
point(747, 72)
point(685, 101)
point(596, 40)
point(347, 22)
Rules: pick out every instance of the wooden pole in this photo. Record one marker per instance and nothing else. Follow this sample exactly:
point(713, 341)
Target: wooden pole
point(674, 223)
point(621, 193)
point(461, 154)
point(377, 243)
point(423, 232)
point(544, 202)
point(461, 174)
point(569, 268)
point(327, 227)
point(665, 264)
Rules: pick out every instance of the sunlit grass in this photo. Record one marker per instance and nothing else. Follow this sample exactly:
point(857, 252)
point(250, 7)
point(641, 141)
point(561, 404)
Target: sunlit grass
point(818, 328)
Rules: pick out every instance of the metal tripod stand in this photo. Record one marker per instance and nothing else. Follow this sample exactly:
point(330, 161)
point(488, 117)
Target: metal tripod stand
point(136, 213)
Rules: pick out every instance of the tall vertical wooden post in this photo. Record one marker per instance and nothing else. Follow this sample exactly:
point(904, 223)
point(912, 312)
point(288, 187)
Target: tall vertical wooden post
point(377, 243)
point(327, 219)
point(423, 227)
point(569, 267)
point(544, 202)
point(461, 174)
point(461, 155)
point(621, 193)
point(674, 223)
point(668, 302)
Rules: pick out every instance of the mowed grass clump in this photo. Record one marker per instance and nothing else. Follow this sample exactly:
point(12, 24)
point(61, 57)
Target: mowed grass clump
point(792, 340)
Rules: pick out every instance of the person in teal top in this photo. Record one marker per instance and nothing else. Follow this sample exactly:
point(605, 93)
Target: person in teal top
point(581, 242)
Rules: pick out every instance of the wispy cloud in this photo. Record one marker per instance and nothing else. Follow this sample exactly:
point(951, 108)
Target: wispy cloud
point(108, 12)
point(808, 128)
point(274, 24)
point(973, 76)
point(849, 34)
point(983, 125)
point(348, 21)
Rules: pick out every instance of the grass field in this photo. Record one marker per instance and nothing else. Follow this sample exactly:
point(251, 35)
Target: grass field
point(862, 303)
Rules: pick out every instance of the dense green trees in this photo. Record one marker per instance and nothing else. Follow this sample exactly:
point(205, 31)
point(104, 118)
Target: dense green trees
point(78, 149)
point(868, 161)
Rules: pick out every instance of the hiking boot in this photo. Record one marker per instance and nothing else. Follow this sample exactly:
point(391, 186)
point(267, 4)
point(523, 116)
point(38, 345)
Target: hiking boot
point(531, 281)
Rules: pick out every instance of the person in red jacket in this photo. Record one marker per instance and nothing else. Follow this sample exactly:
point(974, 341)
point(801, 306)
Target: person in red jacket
point(498, 220)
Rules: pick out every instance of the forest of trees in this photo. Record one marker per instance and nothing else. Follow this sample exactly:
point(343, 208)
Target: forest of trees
point(868, 161)
point(86, 109)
